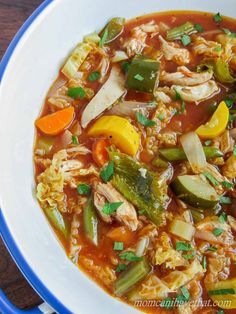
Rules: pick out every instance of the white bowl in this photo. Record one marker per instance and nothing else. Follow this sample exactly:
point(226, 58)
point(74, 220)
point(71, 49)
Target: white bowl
point(27, 71)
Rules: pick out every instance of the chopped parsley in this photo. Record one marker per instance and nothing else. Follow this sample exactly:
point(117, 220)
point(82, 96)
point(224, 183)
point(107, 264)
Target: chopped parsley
point(221, 291)
point(130, 256)
point(228, 32)
point(223, 218)
point(217, 18)
point(110, 208)
point(125, 65)
point(208, 142)
point(225, 200)
point(152, 104)
point(167, 303)
point(198, 28)
point(217, 232)
point(189, 256)
point(218, 48)
point(141, 211)
point(220, 312)
point(120, 267)
point(139, 77)
point(94, 76)
point(185, 293)
point(229, 103)
point(179, 97)
point(160, 117)
point(227, 185)
point(74, 140)
point(107, 172)
point(211, 178)
point(186, 40)
point(76, 92)
point(83, 189)
point(103, 38)
point(144, 120)
point(118, 246)
point(182, 246)
point(234, 151)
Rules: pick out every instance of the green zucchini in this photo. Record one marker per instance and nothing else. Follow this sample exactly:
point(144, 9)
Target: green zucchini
point(130, 277)
point(90, 220)
point(57, 220)
point(195, 191)
point(113, 29)
point(178, 154)
point(143, 74)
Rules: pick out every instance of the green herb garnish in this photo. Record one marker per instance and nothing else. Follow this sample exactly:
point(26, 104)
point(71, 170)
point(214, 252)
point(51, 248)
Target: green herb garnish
point(185, 293)
point(121, 267)
point(227, 185)
point(94, 76)
point(217, 232)
point(110, 208)
point(141, 211)
point(229, 103)
point(160, 117)
point(186, 40)
point(76, 92)
point(125, 65)
point(211, 178)
point(217, 18)
point(198, 28)
point(139, 77)
point(118, 246)
point(167, 303)
point(223, 218)
point(130, 256)
point(83, 189)
point(74, 139)
point(107, 172)
point(218, 48)
point(182, 246)
point(144, 120)
point(212, 248)
point(189, 256)
point(234, 151)
point(225, 200)
point(208, 142)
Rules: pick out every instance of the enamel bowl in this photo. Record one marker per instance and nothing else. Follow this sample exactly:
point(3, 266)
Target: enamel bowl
point(28, 69)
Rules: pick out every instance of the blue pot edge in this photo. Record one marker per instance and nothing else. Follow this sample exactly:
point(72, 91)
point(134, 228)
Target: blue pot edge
point(8, 239)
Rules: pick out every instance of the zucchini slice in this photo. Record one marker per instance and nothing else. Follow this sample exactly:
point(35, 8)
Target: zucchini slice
point(195, 191)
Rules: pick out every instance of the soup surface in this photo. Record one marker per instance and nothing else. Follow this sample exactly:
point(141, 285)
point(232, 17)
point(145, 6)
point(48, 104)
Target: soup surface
point(135, 161)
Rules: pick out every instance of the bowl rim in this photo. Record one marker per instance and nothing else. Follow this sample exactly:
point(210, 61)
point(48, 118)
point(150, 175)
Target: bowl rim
point(5, 233)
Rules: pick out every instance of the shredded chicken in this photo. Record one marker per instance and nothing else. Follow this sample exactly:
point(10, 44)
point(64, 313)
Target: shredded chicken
point(125, 213)
point(232, 222)
point(228, 43)
point(167, 138)
point(196, 93)
point(205, 228)
point(218, 268)
point(153, 288)
point(207, 48)
point(162, 97)
point(229, 169)
point(185, 77)
point(226, 142)
point(138, 36)
point(60, 99)
point(172, 52)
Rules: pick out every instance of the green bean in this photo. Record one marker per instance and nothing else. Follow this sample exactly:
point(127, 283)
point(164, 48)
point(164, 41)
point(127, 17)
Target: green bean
point(90, 221)
point(178, 154)
point(177, 32)
point(130, 277)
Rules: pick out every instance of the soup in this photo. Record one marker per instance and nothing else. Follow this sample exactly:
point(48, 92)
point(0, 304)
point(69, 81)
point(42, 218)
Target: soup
point(135, 161)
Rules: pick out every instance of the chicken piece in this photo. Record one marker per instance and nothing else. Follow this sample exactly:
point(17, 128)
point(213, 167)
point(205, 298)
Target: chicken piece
point(172, 52)
point(42, 162)
point(229, 169)
point(74, 245)
point(185, 77)
point(228, 43)
point(166, 254)
point(60, 99)
point(196, 93)
point(125, 213)
point(138, 35)
point(207, 48)
point(232, 222)
point(168, 139)
point(205, 228)
point(99, 202)
point(162, 97)
point(218, 268)
point(226, 142)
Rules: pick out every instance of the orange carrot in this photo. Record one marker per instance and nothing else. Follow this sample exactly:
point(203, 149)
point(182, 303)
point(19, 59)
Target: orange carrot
point(99, 152)
point(121, 234)
point(55, 123)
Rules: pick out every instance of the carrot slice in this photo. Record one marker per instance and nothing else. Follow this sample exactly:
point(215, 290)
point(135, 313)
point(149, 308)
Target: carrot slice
point(99, 152)
point(55, 123)
point(121, 234)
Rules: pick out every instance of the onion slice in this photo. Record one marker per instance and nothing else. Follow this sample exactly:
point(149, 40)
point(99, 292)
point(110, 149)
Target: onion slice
point(194, 151)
